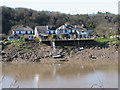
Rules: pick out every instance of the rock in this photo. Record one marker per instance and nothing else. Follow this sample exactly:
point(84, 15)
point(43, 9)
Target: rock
point(90, 56)
point(72, 53)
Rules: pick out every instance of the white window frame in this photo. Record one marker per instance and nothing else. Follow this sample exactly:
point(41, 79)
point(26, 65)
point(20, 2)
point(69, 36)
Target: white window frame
point(73, 31)
point(51, 32)
point(28, 32)
point(22, 32)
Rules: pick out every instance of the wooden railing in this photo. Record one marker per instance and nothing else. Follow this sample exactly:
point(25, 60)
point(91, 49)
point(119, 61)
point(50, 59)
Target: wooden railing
point(90, 38)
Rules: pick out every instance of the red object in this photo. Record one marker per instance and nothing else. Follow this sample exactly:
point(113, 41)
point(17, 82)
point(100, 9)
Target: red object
point(38, 38)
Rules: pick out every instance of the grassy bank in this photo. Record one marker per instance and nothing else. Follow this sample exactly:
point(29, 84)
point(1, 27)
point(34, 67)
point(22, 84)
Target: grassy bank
point(102, 40)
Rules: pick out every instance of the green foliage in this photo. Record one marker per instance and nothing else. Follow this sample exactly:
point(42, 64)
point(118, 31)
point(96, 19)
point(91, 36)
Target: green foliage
point(3, 37)
point(22, 38)
point(44, 45)
point(101, 40)
point(12, 42)
point(36, 39)
point(100, 22)
point(63, 36)
point(91, 26)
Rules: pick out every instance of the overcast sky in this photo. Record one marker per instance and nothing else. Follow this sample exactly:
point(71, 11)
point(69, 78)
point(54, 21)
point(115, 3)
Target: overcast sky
point(66, 6)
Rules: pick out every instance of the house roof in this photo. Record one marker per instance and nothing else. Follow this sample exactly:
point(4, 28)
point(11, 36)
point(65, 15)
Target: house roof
point(43, 29)
point(23, 28)
point(72, 27)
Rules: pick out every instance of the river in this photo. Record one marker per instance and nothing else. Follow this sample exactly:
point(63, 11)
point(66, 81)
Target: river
point(67, 75)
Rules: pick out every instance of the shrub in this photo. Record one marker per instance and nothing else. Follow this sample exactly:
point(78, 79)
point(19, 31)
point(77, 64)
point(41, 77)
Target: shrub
point(36, 39)
point(3, 36)
point(62, 36)
point(22, 38)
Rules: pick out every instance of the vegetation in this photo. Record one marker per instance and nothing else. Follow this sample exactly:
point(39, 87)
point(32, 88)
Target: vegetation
point(63, 36)
point(101, 40)
point(101, 23)
point(12, 41)
point(22, 38)
point(36, 39)
point(3, 36)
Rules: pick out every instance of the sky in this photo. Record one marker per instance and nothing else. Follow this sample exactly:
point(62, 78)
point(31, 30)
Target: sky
point(66, 6)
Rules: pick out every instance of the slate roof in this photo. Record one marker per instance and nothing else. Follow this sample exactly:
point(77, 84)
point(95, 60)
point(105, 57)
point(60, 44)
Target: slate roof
point(43, 29)
point(23, 28)
point(72, 27)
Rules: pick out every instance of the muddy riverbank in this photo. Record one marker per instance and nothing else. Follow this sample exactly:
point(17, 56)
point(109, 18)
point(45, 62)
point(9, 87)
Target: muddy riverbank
point(36, 52)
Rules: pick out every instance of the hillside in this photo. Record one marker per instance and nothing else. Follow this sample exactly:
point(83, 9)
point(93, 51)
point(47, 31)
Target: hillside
point(101, 23)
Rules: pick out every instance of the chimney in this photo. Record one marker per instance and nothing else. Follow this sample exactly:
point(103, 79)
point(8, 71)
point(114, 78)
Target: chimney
point(66, 23)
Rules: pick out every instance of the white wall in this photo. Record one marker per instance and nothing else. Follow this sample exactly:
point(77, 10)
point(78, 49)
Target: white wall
point(36, 32)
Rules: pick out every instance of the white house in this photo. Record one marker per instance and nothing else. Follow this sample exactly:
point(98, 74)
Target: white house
point(44, 31)
point(73, 31)
point(19, 31)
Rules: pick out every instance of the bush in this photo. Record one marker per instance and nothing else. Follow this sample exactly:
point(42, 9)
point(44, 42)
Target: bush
point(62, 36)
point(3, 37)
point(101, 40)
point(22, 38)
point(36, 39)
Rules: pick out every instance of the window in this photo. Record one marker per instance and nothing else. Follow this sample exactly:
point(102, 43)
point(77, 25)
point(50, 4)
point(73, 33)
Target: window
point(31, 36)
point(48, 32)
point(73, 31)
point(69, 31)
point(17, 32)
point(28, 32)
point(63, 31)
point(11, 37)
point(52, 32)
point(23, 32)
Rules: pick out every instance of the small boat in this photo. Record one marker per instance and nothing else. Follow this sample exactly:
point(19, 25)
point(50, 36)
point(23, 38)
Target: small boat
point(81, 48)
point(57, 56)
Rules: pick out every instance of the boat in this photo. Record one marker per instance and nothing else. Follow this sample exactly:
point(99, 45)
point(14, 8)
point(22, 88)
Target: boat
point(57, 56)
point(81, 48)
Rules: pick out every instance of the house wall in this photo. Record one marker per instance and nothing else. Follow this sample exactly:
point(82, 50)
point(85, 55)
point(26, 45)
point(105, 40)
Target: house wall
point(84, 34)
point(36, 33)
point(30, 37)
point(51, 31)
point(28, 34)
point(22, 32)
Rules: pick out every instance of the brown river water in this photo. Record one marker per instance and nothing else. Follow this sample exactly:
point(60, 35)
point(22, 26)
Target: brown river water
point(67, 75)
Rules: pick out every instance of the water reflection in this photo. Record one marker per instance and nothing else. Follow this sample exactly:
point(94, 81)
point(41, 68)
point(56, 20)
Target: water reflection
point(59, 75)
point(36, 81)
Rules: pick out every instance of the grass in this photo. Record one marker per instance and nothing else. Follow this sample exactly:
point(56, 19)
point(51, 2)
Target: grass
point(102, 40)
point(44, 45)
point(12, 41)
